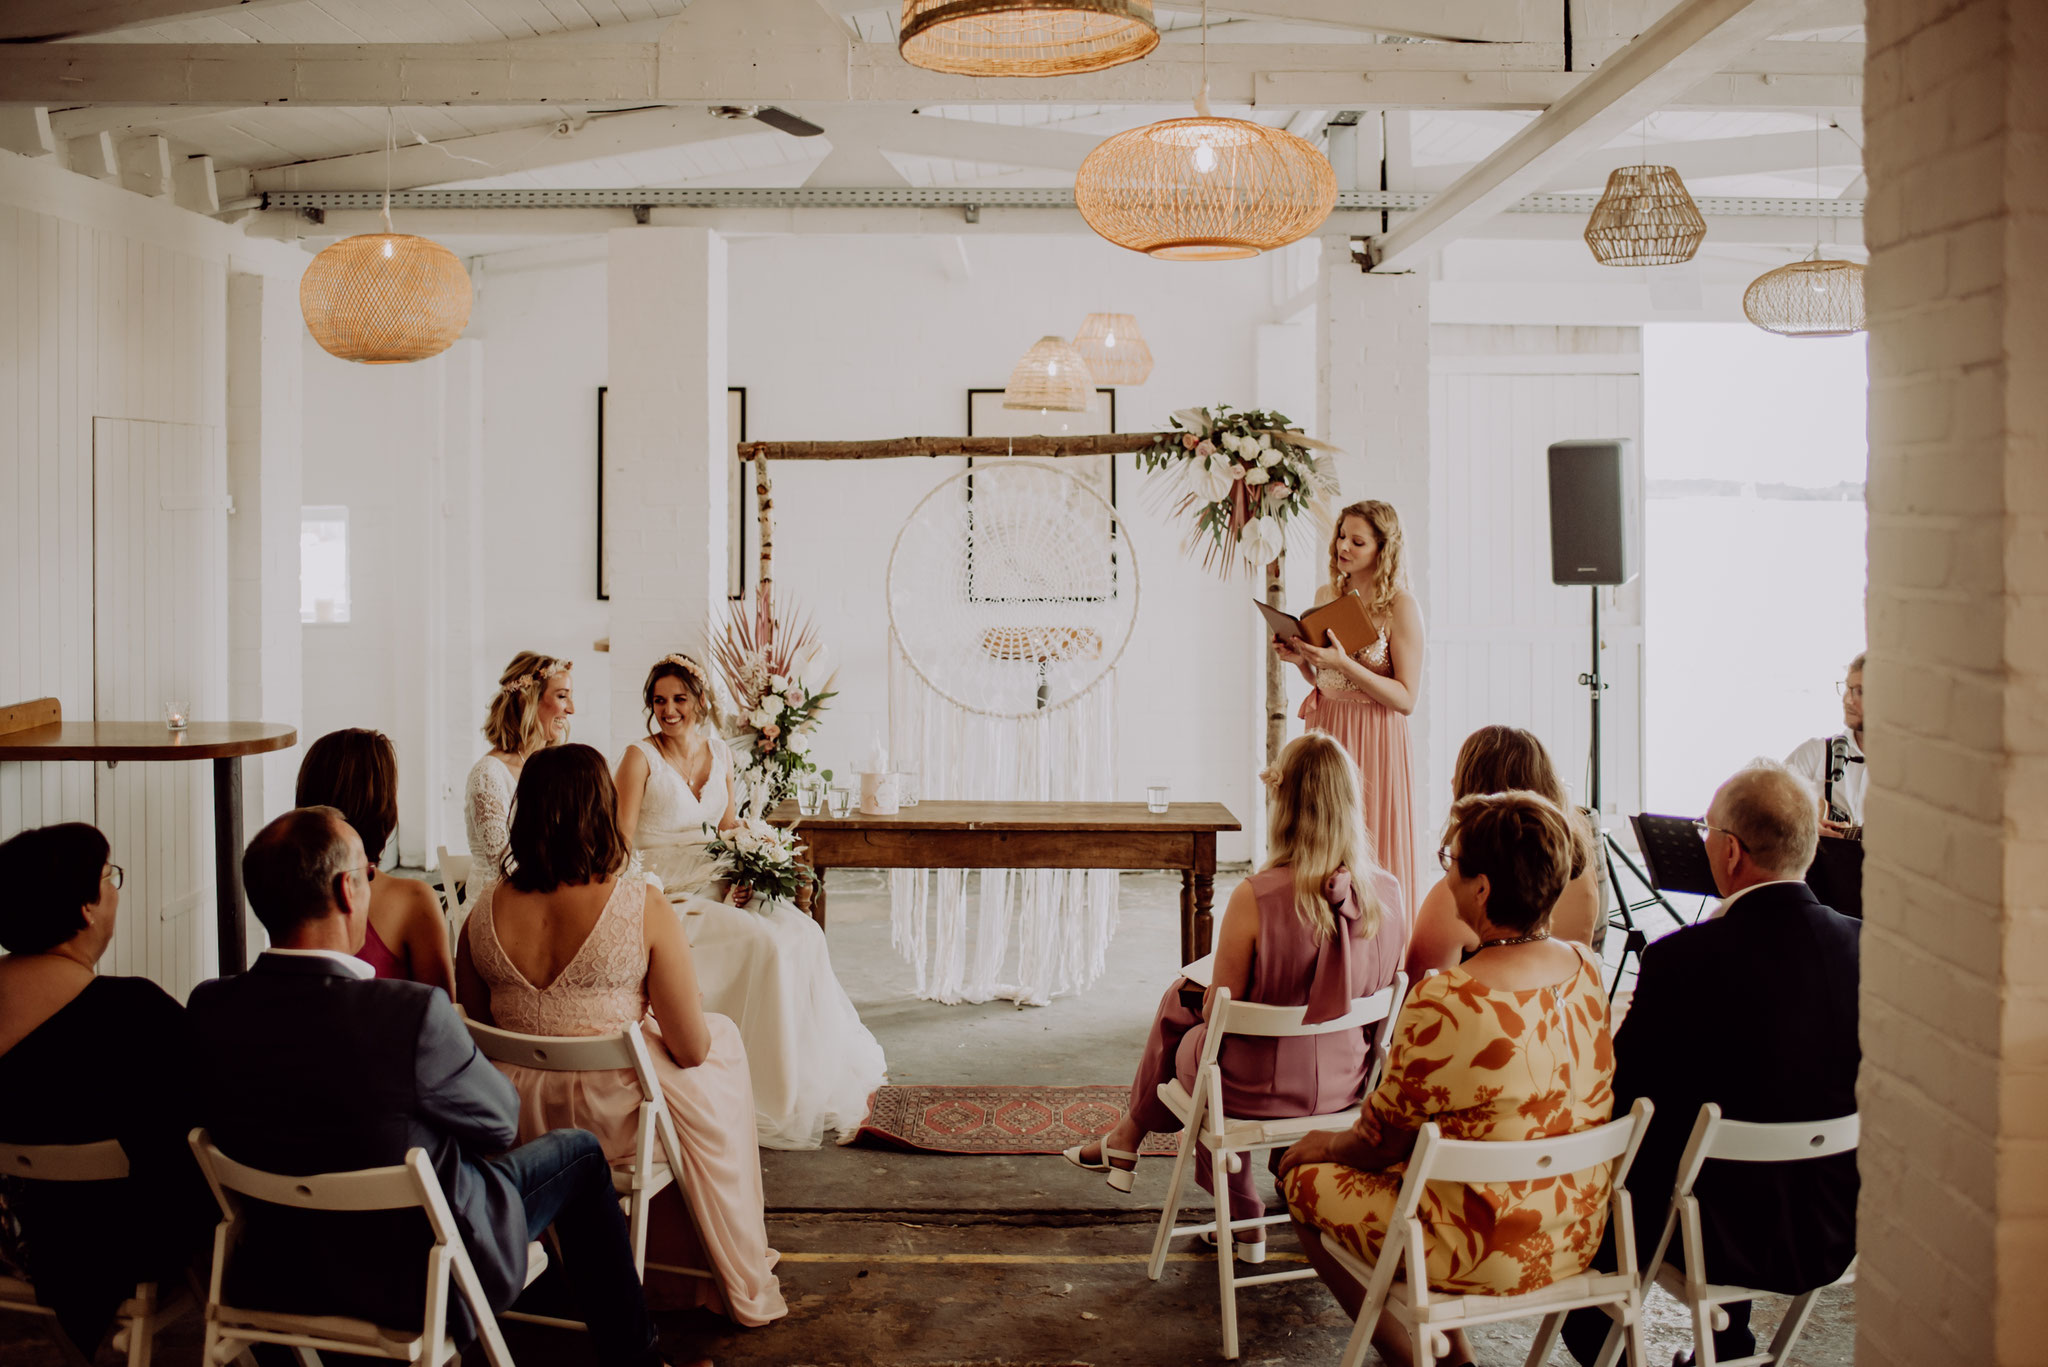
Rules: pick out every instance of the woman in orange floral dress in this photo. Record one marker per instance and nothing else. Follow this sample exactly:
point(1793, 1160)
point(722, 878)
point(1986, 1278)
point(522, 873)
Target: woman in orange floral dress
point(1512, 1044)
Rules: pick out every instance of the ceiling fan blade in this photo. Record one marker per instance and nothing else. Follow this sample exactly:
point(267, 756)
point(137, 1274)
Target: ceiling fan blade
point(782, 121)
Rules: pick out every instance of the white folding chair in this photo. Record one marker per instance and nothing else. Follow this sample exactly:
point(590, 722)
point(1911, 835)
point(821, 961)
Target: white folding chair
point(454, 892)
point(1429, 1317)
point(641, 1179)
point(1231, 1142)
point(142, 1315)
point(1740, 1141)
point(412, 1183)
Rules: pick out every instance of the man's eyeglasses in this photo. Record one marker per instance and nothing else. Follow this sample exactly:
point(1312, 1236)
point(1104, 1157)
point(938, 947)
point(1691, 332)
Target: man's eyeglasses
point(1701, 825)
point(114, 875)
point(1446, 858)
point(1845, 690)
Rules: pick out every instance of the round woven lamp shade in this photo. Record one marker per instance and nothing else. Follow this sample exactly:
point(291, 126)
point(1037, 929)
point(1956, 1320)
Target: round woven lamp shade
point(1024, 37)
point(383, 298)
point(1645, 217)
point(1052, 375)
point(1205, 189)
point(1114, 349)
point(1811, 298)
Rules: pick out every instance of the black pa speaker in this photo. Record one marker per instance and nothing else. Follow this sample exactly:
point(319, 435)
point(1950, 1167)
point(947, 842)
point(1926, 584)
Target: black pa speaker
point(1589, 504)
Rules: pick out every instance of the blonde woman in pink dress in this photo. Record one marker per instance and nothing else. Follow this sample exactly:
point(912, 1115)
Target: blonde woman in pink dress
point(570, 942)
point(1364, 700)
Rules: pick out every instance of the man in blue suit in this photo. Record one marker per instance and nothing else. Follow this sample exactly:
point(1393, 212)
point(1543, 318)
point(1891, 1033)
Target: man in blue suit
point(310, 1064)
point(1753, 1008)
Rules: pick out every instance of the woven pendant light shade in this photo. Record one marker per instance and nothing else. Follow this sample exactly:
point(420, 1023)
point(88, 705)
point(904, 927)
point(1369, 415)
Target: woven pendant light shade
point(1114, 349)
point(1051, 375)
point(1025, 37)
point(1811, 298)
point(1205, 189)
point(1646, 217)
point(382, 298)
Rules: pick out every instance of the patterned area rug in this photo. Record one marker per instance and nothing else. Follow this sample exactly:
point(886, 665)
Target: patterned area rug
point(998, 1120)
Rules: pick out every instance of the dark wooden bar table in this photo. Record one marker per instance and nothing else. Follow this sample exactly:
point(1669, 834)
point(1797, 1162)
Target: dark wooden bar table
point(223, 742)
point(1030, 835)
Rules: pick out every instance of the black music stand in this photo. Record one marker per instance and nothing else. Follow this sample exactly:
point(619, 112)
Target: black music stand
point(1675, 854)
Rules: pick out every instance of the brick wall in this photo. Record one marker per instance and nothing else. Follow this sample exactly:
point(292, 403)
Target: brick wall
point(1954, 1089)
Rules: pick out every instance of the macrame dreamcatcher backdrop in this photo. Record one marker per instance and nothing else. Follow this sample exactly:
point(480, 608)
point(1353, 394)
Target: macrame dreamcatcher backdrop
point(1012, 594)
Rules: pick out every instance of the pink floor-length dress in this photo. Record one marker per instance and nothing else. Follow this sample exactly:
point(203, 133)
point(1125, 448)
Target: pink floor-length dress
point(604, 988)
point(1376, 737)
point(1272, 1079)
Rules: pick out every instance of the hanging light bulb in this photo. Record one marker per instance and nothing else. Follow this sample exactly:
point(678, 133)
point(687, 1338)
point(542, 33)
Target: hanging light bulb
point(1205, 156)
point(1114, 349)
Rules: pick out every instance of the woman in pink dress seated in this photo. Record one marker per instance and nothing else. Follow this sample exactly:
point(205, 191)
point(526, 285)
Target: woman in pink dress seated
point(566, 944)
point(356, 773)
point(1365, 700)
point(1321, 924)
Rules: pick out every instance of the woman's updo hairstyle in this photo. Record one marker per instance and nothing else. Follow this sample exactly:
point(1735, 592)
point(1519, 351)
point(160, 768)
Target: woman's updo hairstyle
point(696, 682)
point(1524, 846)
point(51, 873)
point(513, 722)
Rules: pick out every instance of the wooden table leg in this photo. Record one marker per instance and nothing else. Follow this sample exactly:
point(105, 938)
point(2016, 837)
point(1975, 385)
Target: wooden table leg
point(1188, 952)
point(230, 927)
point(1204, 888)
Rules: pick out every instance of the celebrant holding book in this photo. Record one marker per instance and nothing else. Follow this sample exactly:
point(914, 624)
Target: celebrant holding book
point(1364, 699)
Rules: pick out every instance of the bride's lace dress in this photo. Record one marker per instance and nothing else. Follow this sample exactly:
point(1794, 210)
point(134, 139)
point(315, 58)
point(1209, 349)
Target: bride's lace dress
point(604, 988)
point(814, 1063)
point(487, 819)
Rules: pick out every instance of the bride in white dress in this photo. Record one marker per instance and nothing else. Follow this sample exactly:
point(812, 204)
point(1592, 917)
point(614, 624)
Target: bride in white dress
point(814, 1064)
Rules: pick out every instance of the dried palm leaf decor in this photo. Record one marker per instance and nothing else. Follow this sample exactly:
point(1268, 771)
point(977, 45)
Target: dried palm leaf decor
point(1645, 217)
point(1025, 37)
point(384, 298)
point(1114, 349)
point(1051, 376)
point(1810, 298)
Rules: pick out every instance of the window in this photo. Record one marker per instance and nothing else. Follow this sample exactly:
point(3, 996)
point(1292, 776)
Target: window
point(323, 565)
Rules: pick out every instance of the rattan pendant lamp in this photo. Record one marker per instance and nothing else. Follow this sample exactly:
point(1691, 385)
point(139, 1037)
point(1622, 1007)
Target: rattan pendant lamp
point(1114, 349)
point(1645, 217)
point(1811, 298)
point(385, 298)
point(1206, 188)
point(1050, 377)
point(1025, 37)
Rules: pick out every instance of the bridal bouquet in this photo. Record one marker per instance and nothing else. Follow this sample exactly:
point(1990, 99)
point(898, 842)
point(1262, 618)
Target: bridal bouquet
point(1247, 478)
point(779, 678)
point(756, 855)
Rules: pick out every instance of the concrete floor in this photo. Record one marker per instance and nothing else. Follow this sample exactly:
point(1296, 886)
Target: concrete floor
point(939, 1261)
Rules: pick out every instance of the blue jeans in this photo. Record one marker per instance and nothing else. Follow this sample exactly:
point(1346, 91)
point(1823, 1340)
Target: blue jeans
point(567, 1185)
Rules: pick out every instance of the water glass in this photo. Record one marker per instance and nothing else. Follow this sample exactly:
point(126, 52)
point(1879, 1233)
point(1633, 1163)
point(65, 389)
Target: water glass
point(842, 800)
point(810, 798)
point(176, 714)
point(906, 787)
point(1156, 798)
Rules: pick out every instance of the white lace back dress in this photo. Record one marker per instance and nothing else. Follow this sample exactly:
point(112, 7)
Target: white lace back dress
point(814, 1064)
point(603, 988)
point(487, 819)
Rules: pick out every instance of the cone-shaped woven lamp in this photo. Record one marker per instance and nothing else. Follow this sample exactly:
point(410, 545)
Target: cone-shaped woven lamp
point(383, 298)
point(1810, 298)
point(1114, 349)
point(1205, 189)
point(1645, 217)
point(1053, 376)
point(1024, 37)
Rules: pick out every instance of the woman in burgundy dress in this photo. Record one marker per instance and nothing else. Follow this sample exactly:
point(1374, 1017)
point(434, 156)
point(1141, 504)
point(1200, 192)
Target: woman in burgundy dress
point(1319, 925)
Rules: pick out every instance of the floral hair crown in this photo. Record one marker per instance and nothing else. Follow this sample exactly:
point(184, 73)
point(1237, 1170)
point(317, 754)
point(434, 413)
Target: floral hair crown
point(689, 667)
point(539, 676)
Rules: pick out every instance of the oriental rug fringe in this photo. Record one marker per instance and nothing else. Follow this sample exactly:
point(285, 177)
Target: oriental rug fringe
point(998, 1120)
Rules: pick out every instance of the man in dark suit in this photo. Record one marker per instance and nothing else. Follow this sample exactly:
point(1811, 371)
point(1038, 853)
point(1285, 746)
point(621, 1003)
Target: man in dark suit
point(310, 1064)
point(1754, 1008)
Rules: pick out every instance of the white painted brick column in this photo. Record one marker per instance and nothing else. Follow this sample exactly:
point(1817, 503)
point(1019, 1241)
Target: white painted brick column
point(1954, 1087)
point(265, 661)
point(464, 678)
point(667, 456)
point(1372, 400)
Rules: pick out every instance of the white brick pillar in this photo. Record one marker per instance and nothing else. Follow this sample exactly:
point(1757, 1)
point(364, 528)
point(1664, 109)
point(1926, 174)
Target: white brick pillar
point(1954, 1087)
point(667, 456)
point(1372, 401)
point(464, 677)
point(265, 663)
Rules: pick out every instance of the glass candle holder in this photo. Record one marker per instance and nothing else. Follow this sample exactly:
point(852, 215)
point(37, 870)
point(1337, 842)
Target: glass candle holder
point(906, 787)
point(842, 801)
point(1156, 797)
point(177, 715)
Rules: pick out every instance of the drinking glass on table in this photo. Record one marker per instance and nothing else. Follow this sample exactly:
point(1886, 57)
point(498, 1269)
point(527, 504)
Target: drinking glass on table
point(1156, 797)
point(810, 797)
point(842, 801)
point(906, 787)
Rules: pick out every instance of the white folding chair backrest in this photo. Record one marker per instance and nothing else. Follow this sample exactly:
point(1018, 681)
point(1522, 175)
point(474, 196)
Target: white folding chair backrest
point(1282, 1022)
point(1750, 1141)
point(101, 1161)
point(454, 890)
point(1523, 1160)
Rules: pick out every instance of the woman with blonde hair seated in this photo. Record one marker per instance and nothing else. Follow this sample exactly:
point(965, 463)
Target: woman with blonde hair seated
point(570, 942)
point(531, 709)
point(1511, 1044)
point(1321, 924)
point(1501, 759)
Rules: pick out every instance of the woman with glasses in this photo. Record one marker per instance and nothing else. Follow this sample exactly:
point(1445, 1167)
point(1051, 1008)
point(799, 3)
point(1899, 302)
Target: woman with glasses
point(87, 1056)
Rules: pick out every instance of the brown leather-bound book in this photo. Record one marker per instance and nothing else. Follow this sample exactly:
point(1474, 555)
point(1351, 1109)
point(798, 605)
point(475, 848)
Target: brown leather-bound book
point(1345, 615)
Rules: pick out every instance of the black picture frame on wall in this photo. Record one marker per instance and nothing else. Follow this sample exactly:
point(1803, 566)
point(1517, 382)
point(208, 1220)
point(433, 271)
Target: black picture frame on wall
point(987, 417)
point(740, 496)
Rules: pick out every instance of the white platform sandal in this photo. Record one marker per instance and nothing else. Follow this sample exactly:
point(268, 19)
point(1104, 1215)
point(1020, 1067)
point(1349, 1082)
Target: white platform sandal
point(1120, 1178)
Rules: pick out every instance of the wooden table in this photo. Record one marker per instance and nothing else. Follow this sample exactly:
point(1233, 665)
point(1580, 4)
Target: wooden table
point(1031, 835)
point(223, 742)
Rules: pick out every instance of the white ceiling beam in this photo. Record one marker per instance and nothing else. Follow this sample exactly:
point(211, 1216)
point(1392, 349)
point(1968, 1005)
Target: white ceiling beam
point(1692, 43)
point(1480, 21)
point(926, 135)
point(1696, 160)
point(25, 131)
point(39, 21)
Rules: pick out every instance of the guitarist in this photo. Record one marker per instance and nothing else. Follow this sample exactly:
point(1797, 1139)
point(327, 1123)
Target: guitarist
point(1834, 764)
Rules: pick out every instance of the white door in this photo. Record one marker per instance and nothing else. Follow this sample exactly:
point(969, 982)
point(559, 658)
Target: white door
point(160, 633)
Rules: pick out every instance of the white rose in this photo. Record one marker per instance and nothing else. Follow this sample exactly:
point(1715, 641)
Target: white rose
point(777, 684)
point(1256, 476)
point(1231, 441)
point(762, 716)
point(1269, 457)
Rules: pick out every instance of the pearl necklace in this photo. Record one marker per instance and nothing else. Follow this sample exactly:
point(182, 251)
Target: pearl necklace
point(1515, 940)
